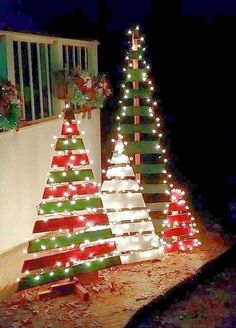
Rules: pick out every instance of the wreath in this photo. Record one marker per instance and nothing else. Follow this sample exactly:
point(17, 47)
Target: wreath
point(84, 90)
point(10, 106)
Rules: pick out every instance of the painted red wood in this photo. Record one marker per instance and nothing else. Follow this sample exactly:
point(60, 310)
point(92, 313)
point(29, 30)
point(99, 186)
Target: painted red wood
point(176, 246)
point(70, 160)
point(70, 129)
point(70, 222)
point(180, 231)
point(65, 257)
point(177, 207)
point(79, 189)
point(180, 218)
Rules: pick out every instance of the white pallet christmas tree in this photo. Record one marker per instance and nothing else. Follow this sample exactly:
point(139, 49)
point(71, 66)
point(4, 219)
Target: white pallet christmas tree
point(131, 224)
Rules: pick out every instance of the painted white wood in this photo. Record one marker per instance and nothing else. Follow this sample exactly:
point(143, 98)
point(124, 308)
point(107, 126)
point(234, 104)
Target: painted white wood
point(120, 185)
point(79, 56)
point(121, 159)
point(126, 215)
point(48, 81)
point(120, 172)
point(73, 57)
point(119, 229)
point(21, 77)
point(86, 58)
point(31, 80)
point(10, 59)
point(40, 80)
point(123, 201)
point(142, 256)
point(28, 37)
point(135, 243)
point(67, 64)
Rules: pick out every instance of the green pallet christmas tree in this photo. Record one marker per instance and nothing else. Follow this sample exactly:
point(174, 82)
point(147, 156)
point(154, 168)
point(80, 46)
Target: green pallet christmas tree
point(78, 236)
point(141, 131)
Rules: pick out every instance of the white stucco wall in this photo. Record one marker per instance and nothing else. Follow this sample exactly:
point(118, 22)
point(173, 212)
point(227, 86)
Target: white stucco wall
point(25, 159)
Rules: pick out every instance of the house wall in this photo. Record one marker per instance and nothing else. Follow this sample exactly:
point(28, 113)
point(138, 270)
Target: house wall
point(25, 159)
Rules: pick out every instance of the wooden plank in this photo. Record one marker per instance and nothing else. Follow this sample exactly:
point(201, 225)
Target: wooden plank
point(40, 80)
point(31, 83)
point(21, 77)
point(149, 168)
point(154, 188)
point(140, 110)
point(143, 147)
point(136, 74)
point(70, 176)
point(59, 273)
point(47, 243)
point(141, 128)
point(69, 144)
point(69, 206)
point(70, 222)
point(81, 291)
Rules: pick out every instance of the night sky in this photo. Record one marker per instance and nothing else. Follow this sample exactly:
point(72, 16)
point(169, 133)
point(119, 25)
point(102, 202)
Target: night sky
point(192, 50)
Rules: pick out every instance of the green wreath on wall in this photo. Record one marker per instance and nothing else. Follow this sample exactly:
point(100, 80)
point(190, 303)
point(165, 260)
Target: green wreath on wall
point(10, 106)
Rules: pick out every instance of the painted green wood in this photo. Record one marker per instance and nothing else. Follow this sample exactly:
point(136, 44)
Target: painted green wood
point(71, 175)
point(149, 168)
point(134, 54)
point(141, 110)
point(136, 74)
point(3, 61)
point(67, 205)
point(59, 273)
point(142, 147)
point(141, 128)
point(154, 188)
point(69, 144)
point(141, 93)
point(65, 240)
point(158, 225)
point(160, 206)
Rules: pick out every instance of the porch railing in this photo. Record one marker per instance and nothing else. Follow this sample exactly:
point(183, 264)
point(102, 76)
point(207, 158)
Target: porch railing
point(28, 60)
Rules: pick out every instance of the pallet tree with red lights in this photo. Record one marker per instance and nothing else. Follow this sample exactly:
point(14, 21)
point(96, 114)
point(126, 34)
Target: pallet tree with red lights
point(180, 227)
point(71, 213)
point(131, 224)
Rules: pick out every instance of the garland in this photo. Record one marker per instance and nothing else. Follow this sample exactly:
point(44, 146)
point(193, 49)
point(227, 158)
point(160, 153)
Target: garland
point(10, 106)
point(84, 90)
point(89, 90)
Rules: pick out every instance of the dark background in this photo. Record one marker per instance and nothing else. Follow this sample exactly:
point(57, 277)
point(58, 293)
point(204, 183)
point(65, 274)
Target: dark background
point(192, 51)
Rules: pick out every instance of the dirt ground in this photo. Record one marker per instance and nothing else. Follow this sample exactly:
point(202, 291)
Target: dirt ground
point(118, 294)
point(211, 305)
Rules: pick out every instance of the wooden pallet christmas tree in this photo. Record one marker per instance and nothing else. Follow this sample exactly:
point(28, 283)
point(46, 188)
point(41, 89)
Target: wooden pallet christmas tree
point(141, 131)
point(130, 221)
point(180, 226)
point(139, 125)
point(78, 236)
